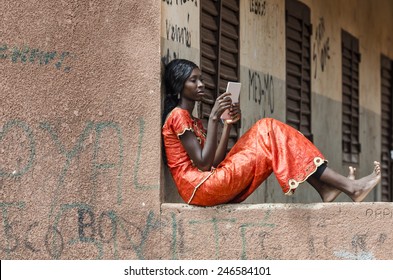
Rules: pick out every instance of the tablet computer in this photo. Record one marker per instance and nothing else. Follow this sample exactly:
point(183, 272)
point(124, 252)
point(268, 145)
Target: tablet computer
point(234, 89)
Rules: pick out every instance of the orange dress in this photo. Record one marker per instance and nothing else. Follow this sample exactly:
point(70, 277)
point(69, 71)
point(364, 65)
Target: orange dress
point(268, 146)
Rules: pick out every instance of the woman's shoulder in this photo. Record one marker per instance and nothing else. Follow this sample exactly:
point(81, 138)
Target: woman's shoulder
point(178, 118)
point(178, 114)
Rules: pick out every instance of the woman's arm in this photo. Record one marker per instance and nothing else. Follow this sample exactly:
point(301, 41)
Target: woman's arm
point(222, 146)
point(204, 158)
point(235, 114)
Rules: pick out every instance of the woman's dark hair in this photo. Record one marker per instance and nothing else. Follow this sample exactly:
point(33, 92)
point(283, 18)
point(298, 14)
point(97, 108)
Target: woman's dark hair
point(176, 73)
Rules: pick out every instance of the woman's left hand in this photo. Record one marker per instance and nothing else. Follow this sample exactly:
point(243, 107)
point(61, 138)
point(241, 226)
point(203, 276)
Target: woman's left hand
point(235, 114)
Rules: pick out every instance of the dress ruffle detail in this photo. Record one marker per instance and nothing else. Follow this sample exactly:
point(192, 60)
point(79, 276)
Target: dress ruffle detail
point(184, 131)
point(197, 186)
point(293, 184)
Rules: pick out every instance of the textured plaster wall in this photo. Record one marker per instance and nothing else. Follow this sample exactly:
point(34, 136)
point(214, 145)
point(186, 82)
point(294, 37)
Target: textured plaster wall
point(180, 30)
point(80, 148)
point(79, 129)
point(342, 231)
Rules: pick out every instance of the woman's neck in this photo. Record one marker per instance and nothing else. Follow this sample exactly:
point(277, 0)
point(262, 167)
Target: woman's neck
point(187, 105)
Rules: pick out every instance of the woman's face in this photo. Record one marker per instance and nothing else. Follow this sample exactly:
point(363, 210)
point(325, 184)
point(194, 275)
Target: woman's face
point(194, 88)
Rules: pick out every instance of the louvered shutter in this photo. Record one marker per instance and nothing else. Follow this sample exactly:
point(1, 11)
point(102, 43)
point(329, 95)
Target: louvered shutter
point(298, 67)
point(350, 95)
point(386, 128)
point(210, 18)
point(219, 51)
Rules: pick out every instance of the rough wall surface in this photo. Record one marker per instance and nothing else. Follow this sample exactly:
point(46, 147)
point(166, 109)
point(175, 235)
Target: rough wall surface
point(80, 151)
point(79, 128)
point(279, 231)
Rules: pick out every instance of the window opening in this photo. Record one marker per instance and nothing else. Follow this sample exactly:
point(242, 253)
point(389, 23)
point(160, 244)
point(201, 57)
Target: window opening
point(298, 66)
point(350, 98)
point(219, 52)
point(386, 128)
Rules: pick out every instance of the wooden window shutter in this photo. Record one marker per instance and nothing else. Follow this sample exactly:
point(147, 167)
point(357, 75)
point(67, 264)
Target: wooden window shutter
point(298, 66)
point(350, 98)
point(386, 128)
point(219, 51)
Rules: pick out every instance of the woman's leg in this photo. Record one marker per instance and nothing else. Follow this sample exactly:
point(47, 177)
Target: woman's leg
point(330, 184)
point(327, 192)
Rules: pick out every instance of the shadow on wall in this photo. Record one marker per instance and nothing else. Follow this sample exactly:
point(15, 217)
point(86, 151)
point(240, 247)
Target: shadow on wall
point(171, 195)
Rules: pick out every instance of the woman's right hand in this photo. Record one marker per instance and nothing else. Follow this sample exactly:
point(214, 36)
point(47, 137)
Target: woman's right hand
point(204, 157)
point(222, 103)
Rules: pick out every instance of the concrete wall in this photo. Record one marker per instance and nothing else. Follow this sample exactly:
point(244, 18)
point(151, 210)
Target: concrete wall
point(80, 138)
point(180, 30)
point(79, 128)
point(278, 231)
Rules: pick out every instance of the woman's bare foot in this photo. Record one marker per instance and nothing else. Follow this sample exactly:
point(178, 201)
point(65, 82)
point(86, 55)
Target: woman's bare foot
point(366, 184)
point(328, 193)
point(352, 171)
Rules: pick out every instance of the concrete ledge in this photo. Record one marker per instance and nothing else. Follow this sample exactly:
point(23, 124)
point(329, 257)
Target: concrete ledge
point(278, 231)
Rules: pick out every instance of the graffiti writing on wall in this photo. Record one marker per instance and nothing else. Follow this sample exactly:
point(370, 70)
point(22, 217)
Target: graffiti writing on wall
point(69, 155)
point(261, 91)
point(360, 247)
point(177, 33)
point(258, 7)
point(169, 56)
point(379, 213)
point(321, 47)
point(107, 232)
point(181, 2)
point(219, 227)
point(258, 239)
point(27, 55)
point(99, 129)
point(99, 229)
point(261, 98)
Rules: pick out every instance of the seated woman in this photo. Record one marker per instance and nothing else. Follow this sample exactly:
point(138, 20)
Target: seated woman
point(205, 175)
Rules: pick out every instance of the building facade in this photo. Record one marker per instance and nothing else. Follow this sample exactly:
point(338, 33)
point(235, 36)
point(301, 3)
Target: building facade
point(319, 66)
point(81, 172)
